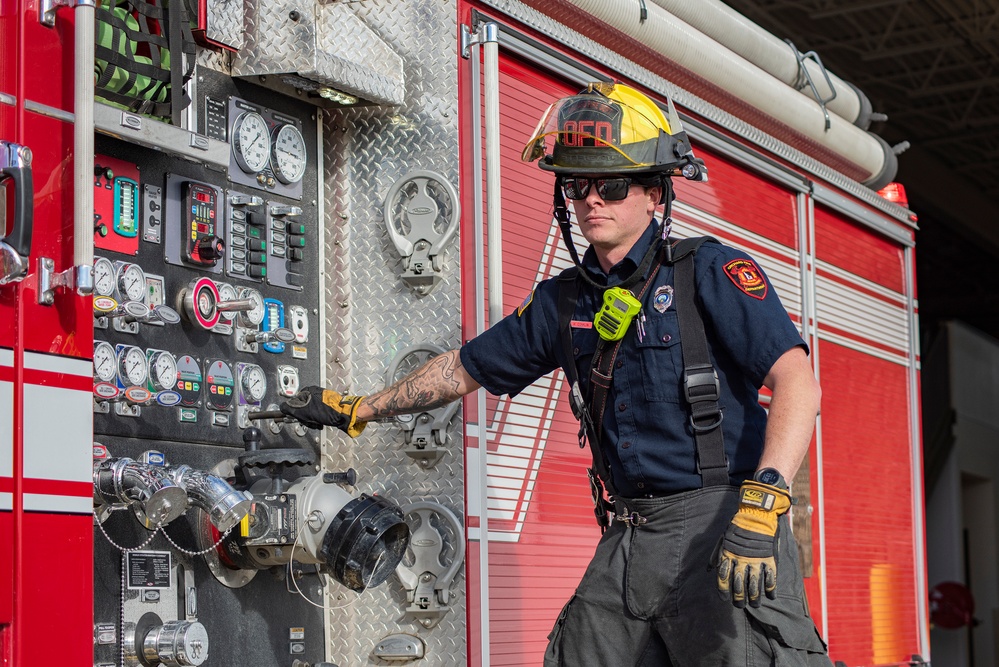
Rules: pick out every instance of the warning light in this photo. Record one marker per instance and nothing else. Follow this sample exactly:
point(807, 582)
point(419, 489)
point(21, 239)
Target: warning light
point(895, 192)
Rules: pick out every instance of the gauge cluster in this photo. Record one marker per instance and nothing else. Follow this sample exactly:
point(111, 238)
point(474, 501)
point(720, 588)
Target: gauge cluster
point(269, 149)
point(209, 319)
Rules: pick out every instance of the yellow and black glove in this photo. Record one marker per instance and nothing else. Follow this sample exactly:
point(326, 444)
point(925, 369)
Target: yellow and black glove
point(316, 407)
point(745, 556)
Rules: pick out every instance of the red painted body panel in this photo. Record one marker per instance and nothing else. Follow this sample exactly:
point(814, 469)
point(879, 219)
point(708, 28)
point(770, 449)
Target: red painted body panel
point(57, 577)
point(868, 255)
point(869, 528)
point(46, 559)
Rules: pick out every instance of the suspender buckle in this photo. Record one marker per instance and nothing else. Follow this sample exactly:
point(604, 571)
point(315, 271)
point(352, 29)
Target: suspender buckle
point(700, 383)
point(702, 391)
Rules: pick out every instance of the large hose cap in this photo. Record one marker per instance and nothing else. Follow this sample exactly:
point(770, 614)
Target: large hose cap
point(365, 542)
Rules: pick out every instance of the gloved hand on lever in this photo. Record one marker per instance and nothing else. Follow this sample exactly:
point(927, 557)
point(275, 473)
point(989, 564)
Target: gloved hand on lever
point(745, 556)
point(316, 407)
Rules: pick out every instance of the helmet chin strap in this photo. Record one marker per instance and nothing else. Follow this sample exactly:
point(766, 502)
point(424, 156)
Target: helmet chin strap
point(660, 242)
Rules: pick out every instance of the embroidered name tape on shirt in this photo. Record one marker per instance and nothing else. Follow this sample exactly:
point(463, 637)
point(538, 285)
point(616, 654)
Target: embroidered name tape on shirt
point(747, 277)
point(580, 324)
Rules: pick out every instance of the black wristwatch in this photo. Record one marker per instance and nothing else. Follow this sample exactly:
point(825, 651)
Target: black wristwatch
point(772, 477)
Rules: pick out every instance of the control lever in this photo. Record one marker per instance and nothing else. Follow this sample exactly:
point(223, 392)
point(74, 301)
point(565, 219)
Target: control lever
point(283, 335)
point(266, 414)
point(236, 305)
point(164, 314)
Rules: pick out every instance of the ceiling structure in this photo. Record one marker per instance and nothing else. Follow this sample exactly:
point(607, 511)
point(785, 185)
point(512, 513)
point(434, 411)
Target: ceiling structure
point(932, 66)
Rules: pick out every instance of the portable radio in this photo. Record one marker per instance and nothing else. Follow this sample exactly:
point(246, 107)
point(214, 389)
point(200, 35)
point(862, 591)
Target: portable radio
point(615, 316)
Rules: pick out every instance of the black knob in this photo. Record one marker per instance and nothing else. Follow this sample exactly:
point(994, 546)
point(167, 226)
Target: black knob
point(349, 477)
point(211, 249)
point(251, 439)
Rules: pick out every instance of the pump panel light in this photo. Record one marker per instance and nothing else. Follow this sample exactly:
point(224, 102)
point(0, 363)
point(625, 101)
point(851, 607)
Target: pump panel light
point(334, 95)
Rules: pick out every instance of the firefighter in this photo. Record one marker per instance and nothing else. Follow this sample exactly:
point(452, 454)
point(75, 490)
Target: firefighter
point(664, 346)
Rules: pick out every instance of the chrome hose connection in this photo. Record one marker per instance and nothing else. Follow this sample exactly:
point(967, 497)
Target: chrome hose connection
point(224, 505)
point(155, 498)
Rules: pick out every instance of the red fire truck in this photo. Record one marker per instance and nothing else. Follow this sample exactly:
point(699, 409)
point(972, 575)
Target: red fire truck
point(207, 206)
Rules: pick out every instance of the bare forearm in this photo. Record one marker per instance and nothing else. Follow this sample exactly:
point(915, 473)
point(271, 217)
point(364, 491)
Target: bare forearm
point(793, 408)
point(438, 382)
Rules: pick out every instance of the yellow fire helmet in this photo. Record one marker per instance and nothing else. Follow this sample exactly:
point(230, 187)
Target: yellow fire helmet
point(610, 128)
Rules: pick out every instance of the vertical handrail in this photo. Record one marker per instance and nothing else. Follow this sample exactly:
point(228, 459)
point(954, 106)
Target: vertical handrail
point(481, 474)
point(83, 148)
point(489, 38)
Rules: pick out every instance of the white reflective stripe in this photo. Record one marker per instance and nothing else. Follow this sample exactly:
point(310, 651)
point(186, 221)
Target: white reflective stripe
point(36, 502)
point(7, 430)
point(58, 445)
point(6, 501)
point(849, 309)
point(56, 364)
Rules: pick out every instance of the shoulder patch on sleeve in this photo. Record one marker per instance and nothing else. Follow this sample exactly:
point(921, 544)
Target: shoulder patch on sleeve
point(527, 302)
point(747, 277)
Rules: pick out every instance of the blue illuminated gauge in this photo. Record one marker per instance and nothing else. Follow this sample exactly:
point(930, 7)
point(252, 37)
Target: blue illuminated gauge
point(133, 369)
point(104, 361)
point(103, 277)
point(251, 142)
point(288, 154)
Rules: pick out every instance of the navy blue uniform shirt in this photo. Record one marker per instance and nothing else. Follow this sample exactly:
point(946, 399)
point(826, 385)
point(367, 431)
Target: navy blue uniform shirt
point(647, 435)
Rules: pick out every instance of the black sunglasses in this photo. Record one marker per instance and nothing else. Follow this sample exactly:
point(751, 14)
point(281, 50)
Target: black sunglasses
point(609, 189)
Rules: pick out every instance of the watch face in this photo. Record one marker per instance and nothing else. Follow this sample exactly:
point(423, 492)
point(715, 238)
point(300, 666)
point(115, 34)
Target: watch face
point(770, 476)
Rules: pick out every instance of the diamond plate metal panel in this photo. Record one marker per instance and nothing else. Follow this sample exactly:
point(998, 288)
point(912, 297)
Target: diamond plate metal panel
point(371, 315)
point(225, 22)
point(325, 44)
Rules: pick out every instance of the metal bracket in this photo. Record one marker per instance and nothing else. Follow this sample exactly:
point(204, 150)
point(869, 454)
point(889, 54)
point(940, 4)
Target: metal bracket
point(488, 32)
point(428, 580)
point(803, 73)
point(421, 212)
point(47, 9)
point(425, 432)
point(49, 281)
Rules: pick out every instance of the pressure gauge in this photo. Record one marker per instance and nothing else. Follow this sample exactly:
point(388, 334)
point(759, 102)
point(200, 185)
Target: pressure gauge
point(251, 318)
point(103, 277)
point(162, 370)
point(133, 370)
point(288, 155)
point(226, 293)
point(253, 382)
point(251, 142)
point(131, 282)
point(104, 361)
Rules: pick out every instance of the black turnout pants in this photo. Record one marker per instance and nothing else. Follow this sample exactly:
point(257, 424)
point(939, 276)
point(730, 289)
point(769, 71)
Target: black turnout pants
point(649, 597)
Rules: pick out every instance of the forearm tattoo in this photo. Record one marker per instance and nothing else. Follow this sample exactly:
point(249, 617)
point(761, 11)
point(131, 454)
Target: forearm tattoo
point(430, 386)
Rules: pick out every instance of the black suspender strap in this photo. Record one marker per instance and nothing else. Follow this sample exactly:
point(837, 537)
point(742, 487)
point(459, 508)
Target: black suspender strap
point(700, 380)
point(568, 291)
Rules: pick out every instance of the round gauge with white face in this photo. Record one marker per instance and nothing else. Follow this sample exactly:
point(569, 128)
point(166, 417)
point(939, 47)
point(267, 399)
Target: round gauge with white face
point(251, 142)
point(131, 282)
point(288, 154)
point(133, 369)
point(162, 370)
point(226, 293)
point(103, 277)
point(251, 318)
point(253, 383)
point(104, 361)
